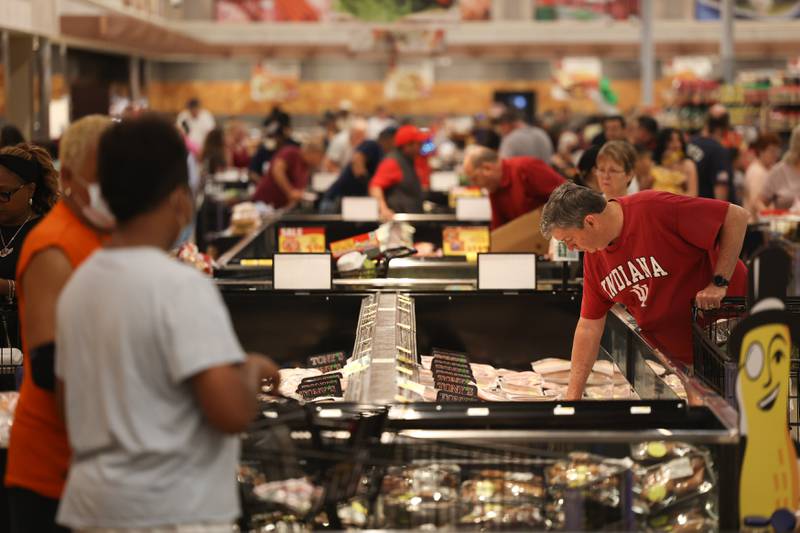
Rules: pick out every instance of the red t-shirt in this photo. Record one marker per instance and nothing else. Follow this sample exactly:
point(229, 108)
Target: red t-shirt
point(664, 256)
point(389, 173)
point(526, 184)
point(296, 170)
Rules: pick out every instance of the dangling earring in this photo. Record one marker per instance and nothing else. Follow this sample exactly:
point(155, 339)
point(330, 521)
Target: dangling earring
point(68, 192)
point(30, 200)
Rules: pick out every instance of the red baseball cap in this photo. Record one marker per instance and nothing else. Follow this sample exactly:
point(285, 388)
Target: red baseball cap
point(408, 134)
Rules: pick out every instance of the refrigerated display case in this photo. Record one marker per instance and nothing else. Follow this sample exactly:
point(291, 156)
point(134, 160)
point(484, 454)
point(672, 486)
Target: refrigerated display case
point(379, 429)
point(249, 262)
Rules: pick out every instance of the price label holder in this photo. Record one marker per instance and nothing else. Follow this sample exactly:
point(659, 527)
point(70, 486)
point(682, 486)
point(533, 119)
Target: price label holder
point(322, 181)
point(444, 181)
point(507, 271)
point(478, 208)
point(559, 252)
point(302, 272)
point(359, 209)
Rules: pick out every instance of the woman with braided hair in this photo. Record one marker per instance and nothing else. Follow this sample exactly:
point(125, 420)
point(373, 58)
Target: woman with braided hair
point(28, 189)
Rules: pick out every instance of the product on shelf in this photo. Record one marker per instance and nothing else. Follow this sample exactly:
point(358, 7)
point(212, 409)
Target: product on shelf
point(190, 255)
point(598, 482)
point(682, 476)
point(419, 497)
point(8, 405)
point(245, 218)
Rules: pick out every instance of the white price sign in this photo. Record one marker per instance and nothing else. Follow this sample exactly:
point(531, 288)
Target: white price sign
point(322, 181)
point(359, 209)
point(507, 271)
point(301, 272)
point(561, 254)
point(477, 208)
point(444, 181)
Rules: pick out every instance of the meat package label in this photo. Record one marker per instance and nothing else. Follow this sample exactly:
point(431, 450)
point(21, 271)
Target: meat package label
point(319, 380)
point(444, 396)
point(451, 368)
point(450, 354)
point(446, 377)
point(334, 359)
point(332, 388)
point(464, 390)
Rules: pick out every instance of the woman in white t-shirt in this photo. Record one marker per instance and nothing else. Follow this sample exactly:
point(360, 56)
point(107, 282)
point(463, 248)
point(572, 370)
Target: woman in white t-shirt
point(768, 150)
point(154, 382)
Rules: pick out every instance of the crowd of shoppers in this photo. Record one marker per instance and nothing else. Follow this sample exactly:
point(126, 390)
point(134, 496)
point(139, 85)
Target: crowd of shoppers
point(105, 442)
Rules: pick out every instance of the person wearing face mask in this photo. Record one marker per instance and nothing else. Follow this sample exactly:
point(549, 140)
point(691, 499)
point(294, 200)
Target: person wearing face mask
point(517, 185)
point(170, 386)
point(675, 172)
point(38, 453)
point(654, 252)
point(616, 165)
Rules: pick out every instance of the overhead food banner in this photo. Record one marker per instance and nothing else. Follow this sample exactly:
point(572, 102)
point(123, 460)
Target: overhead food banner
point(749, 9)
point(409, 81)
point(271, 10)
point(586, 9)
point(394, 11)
point(273, 81)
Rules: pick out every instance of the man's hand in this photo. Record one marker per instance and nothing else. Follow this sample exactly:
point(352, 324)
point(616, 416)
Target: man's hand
point(295, 195)
point(386, 213)
point(710, 297)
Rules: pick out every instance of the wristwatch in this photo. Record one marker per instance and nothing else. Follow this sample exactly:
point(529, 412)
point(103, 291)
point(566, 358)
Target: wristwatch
point(720, 281)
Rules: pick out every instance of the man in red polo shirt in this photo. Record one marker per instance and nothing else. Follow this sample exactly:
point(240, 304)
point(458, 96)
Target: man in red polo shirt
point(516, 185)
point(403, 175)
point(288, 174)
point(654, 252)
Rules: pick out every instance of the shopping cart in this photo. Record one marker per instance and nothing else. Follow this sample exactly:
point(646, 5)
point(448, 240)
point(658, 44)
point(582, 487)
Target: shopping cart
point(343, 466)
point(711, 330)
point(10, 354)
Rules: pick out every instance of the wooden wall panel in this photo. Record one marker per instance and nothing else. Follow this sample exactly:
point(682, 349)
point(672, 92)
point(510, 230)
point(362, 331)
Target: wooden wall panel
point(233, 97)
point(2, 91)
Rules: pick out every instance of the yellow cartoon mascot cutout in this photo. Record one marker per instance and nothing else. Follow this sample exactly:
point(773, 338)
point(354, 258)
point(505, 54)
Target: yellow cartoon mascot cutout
point(769, 486)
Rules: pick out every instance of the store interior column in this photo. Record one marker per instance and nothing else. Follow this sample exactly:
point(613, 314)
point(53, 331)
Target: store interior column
point(19, 65)
point(44, 54)
point(726, 50)
point(647, 53)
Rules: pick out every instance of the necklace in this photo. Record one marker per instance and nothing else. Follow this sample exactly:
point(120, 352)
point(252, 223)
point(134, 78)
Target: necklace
point(7, 249)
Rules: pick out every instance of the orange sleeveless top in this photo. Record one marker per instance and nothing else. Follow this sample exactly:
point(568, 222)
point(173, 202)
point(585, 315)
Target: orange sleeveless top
point(38, 452)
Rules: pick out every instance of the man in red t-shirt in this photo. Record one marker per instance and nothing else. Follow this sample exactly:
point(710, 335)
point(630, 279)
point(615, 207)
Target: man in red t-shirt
point(403, 175)
point(516, 185)
point(288, 174)
point(654, 252)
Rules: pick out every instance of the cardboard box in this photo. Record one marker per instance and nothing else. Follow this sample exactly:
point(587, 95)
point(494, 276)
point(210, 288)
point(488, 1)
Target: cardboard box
point(521, 235)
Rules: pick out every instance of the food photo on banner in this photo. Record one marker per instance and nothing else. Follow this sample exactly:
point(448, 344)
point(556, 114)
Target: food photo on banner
point(749, 9)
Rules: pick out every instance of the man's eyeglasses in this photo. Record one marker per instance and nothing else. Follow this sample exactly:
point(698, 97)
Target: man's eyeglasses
point(608, 171)
point(5, 196)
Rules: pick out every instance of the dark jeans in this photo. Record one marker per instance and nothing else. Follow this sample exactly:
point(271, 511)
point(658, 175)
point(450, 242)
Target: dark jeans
point(32, 513)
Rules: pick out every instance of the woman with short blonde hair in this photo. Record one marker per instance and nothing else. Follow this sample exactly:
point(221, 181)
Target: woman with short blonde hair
point(615, 168)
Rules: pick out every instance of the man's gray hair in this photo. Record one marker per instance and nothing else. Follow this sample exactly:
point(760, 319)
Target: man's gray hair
point(568, 206)
point(478, 155)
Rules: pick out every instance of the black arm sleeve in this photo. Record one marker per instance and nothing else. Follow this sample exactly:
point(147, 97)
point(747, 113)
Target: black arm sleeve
point(43, 364)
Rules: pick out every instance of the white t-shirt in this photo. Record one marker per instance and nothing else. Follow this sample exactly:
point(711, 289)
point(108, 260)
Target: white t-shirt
point(134, 326)
point(198, 126)
point(339, 149)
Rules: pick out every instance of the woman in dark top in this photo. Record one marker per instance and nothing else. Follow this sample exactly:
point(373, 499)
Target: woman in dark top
point(28, 189)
